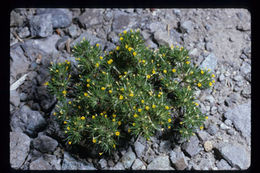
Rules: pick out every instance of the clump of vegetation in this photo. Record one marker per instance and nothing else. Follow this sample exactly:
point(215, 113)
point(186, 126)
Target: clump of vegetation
point(129, 91)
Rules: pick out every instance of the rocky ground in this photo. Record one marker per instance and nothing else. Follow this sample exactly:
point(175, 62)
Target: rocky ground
point(219, 39)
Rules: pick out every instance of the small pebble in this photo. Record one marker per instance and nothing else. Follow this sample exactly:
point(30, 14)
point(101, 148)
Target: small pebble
point(208, 146)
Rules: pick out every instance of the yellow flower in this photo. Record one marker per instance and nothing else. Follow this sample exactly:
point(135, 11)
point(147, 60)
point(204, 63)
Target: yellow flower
point(106, 116)
point(173, 70)
point(69, 142)
point(129, 49)
point(114, 146)
point(169, 127)
point(167, 107)
point(103, 88)
point(124, 31)
point(172, 46)
point(133, 124)
point(153, 106)
point(64, 92)
point(135, 115)
point(134, 53)
point(181, 123)
point(68, 128)
point(97, 45)
point(148, 76)
point(139, 110)
point(117, 133)
point(131, 94)
point(117, 48)
point(88, 80)
point(169, 120)
point(212, 75)
point(121, 97)
point(93, 117)
point(94, 140)
point(199, 84)
point(210, 83)
point(121, 38)
point(122, 89)
point(119, 123)
point(165, 71)
point(114, 115)
point(79, 107)
point(69, 102)
point(191, 72)
point(126, 46)
point(110, 91)
point(201, 127)
point(65, 122)
point(134, 107)
point(82, 118)
point(129, 130)
point(110, 61)
point(125, 73)
point(57, 71)
point(202, 72)
point(147, 107)
point(100, 57)
point(213, 81)
point(54, 113)
point(46, 83)
point(97, 64)
point(153, 72)
point(143, 61)
point(100, 153)
point(142, 101)
point(206, 117)
point(88, 85)
point(187, 62)
point(85, 94)
point(113, 119)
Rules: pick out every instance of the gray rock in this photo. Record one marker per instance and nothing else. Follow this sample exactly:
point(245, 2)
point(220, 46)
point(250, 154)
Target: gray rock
point(91, 17)
point(186, 26)
point(53, 161)
point(19, 63)
point(14, 98)
point(246, 92)
point(90, 37)
point(60, 45)
point(40, 164)
point(228, 122)
point(149, 43)
point(128, 159)
point(224, 126)
point(165, 146)
point(102, 163)
point(212, 129)
point(112, 36)
point(138, 165)
point(45, 143)
point(139, 148)
point(210, 62)
point(16, 19)
point(203, 135)
point(160, 163)
point(245, 68)
point(208, 146)
point(69, 163)
point(241, 118)
point(118, 166)
point(221, 77)
point(24, 32)
point(146, 34)
point(41, 25)
point(223, 165)
point(28, 121)
point(73, 31)
point(110, 163)
point(235, 154)
point(178, 159)
point(155, 26)
point(209, 46)
point(162, 38)
point(19, 149)
point(60, 18)
point(23, 97)
point(123, 21)
point(191, 147)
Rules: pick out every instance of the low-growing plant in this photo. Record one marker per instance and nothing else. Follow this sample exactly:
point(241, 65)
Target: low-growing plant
point(129, 91)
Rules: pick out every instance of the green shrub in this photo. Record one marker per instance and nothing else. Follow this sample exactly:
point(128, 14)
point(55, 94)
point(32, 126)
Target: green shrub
point(129, 91)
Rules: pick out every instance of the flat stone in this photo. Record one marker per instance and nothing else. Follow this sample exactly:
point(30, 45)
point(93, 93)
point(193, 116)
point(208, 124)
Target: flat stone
point(28, 121)
point(128, 159)
point(162, 38)
point(16, 19)
point(73, 31)
point(178, 159)
point(212, 129)
point(53, 161)
point(40, 164)
point(60, 45)
point(60, 17)
point(41, 25)
point(210, 62)
point(24, 32)
point(223, 165)
point(118, 166)
point(235, 154)
point(138, 165)
point(245, 68)
point(160, 163)
point(102, 163)
point(139, 148)
point(45, 143)
point(186, 26)
point(241, 118)
point(123, 21)
point(14, 98)
point(165, 146)
point(19, 148)
point(191, 147)
point(69, 163)
point(91, 17)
